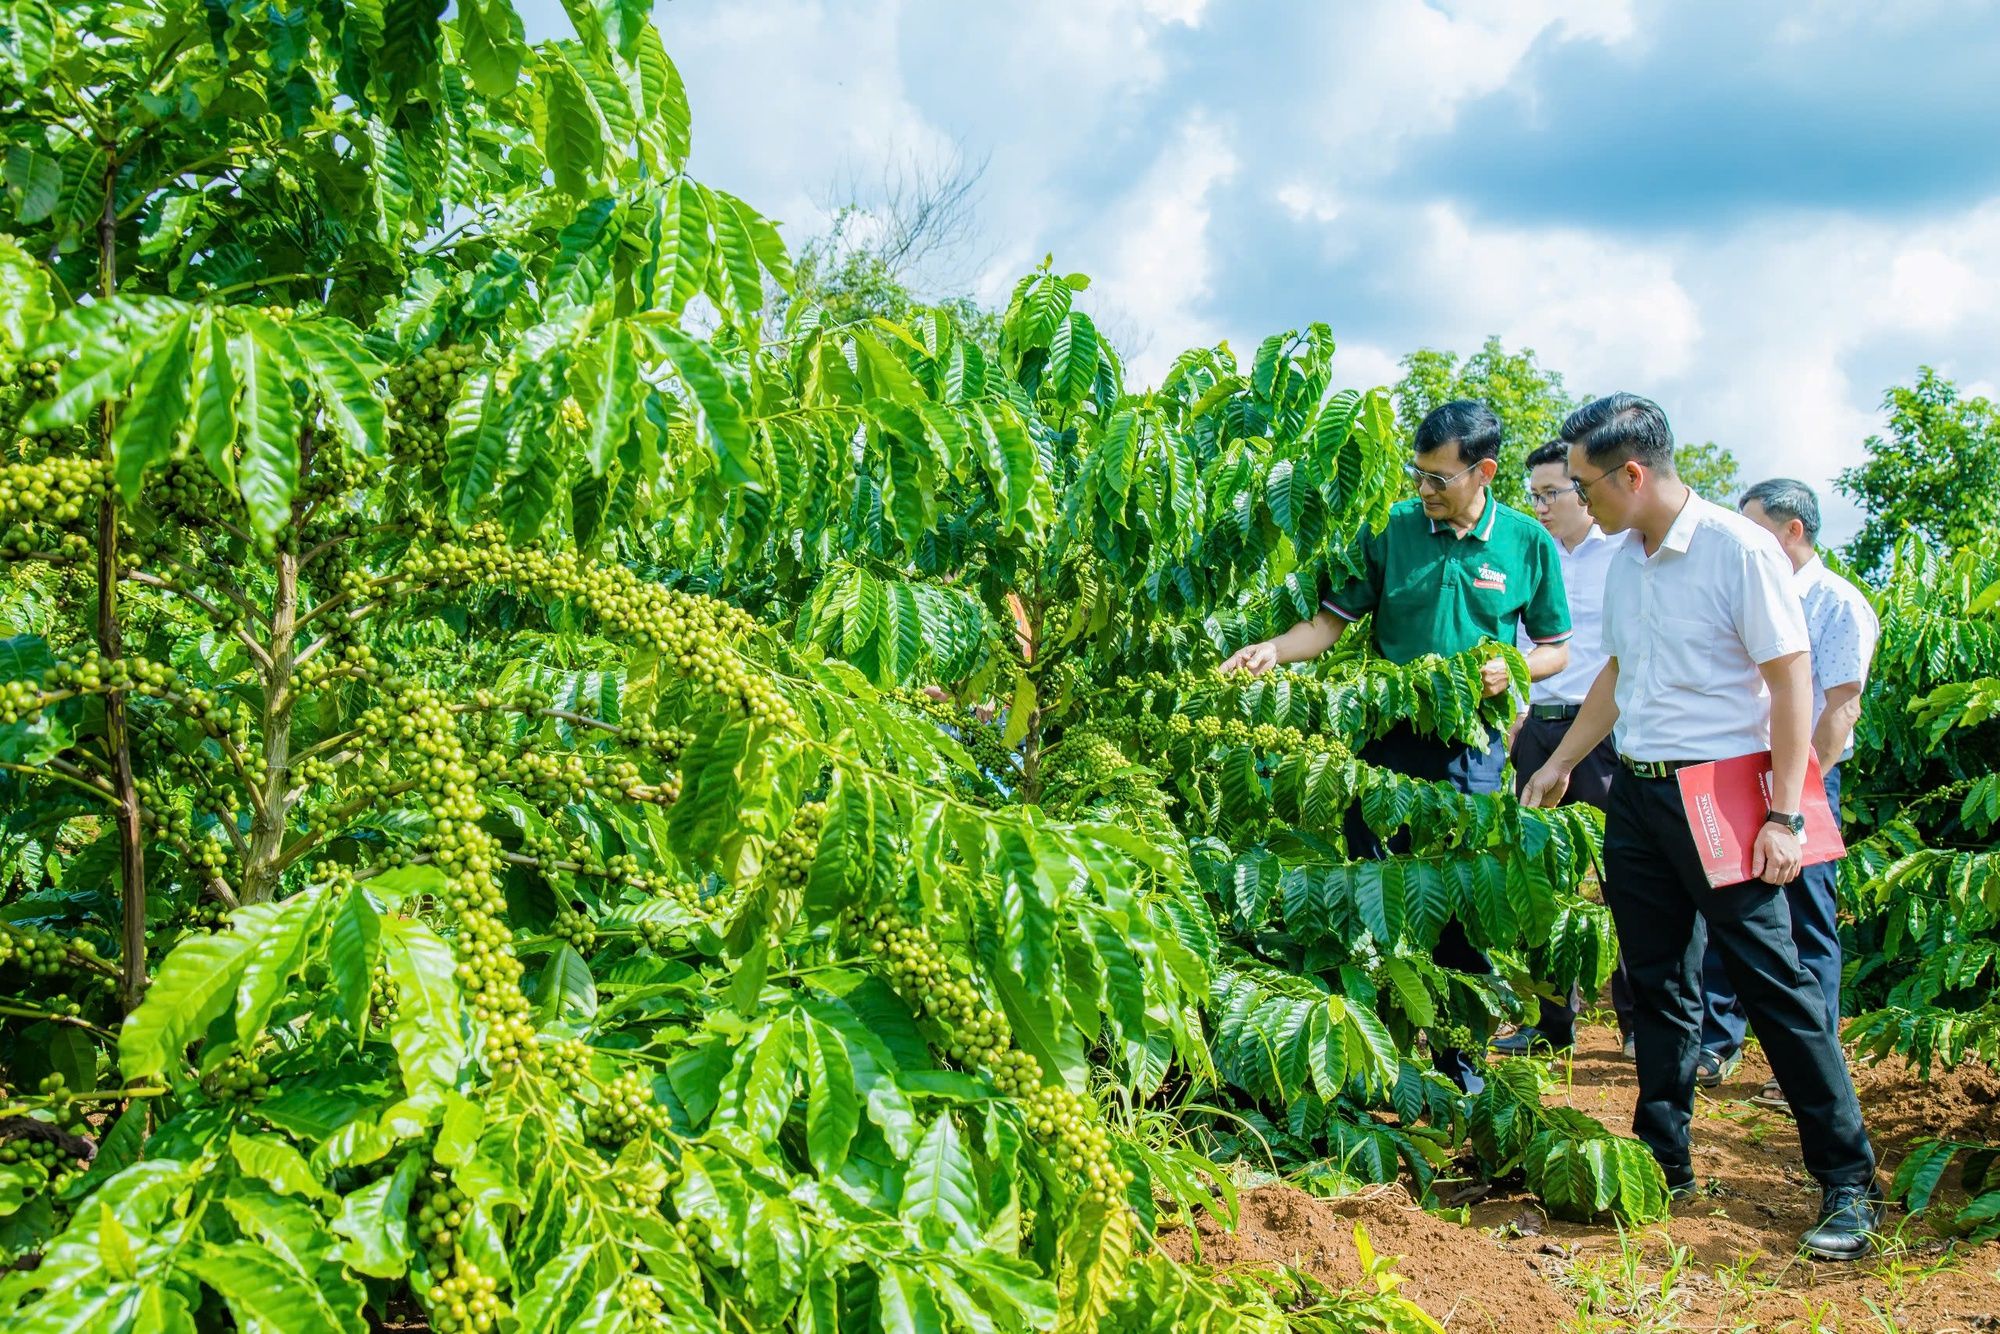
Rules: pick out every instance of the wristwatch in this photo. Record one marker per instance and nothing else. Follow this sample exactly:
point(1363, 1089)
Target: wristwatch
point(1795, 823)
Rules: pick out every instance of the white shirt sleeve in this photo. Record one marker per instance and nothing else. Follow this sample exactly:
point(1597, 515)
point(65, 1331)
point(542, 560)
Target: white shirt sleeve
point(1843, 642)
point(1770, 619)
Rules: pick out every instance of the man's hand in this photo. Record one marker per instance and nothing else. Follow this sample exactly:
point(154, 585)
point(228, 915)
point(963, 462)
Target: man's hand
point(1776, 857)
point(1548, 787)
point(1255, 659)
point(1494, 673)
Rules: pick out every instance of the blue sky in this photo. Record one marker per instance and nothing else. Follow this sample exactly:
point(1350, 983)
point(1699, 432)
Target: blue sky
point(1762, 215)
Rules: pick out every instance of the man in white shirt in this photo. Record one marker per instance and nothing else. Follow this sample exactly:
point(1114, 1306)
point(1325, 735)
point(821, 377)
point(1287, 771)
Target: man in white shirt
point(1553, 702)
point(1708, 659)
point(1843, 629)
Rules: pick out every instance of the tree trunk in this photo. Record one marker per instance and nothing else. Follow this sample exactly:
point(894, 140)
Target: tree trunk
point(117, 733)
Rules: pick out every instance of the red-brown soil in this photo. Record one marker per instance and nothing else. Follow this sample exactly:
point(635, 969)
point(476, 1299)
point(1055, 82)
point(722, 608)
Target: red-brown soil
point(1513, 1268)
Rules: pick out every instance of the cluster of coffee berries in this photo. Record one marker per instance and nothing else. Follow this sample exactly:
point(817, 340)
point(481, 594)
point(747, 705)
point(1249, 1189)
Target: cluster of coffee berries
point(641, 1297)
point(464, 1300)
point(421, 392)
point(979, 1036)
point(383, 998)
point(187, 488)
point(625, 1110)
point(426, 755)
point(1208, 730)
point(441, 1209)
point(353, 662)
point(640, 1185)
point(694, 636)
point(577, 928)
point(37, 953)
point(235, 1078)
point(665, 742)
point(57, 1164)
point(790, 859)
point(545, 778)
point(33, 380)
point(567, 1061)
point(488, 967)
point(655, 936)
point(921, 973)
point(1086, 768)
point(58, 490)
point(985, 741)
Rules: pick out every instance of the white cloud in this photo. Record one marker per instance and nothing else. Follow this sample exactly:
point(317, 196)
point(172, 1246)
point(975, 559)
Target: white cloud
point(1398, 69)
point(1153, 262)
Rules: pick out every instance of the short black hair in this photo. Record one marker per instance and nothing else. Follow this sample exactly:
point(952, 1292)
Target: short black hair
point(1619, 428)
point(1555, 451)
point(1473, 425)
point(1785, 499)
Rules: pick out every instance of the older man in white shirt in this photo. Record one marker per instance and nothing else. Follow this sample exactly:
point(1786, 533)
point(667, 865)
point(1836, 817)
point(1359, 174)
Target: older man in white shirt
point(1843, 629)
point(1553, 702)
point(1708, 659)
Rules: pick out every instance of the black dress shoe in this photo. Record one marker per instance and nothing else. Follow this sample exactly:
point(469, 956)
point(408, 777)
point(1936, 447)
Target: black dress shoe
point(1526, 1042)
point(1850, 1218)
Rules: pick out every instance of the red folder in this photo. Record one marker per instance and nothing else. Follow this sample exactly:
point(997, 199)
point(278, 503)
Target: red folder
point(1726, 802)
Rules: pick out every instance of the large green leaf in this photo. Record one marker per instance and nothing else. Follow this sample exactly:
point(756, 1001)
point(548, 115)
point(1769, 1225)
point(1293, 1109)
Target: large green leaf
point(156, 413)
point(833, 1107)
point(264, 1292)
point(267, 472)
point(617, 389)
point(939, 1193)
point(24, 293)
point(492, 43)
point(426, 1027)
point(573, 134)
point(722, 418)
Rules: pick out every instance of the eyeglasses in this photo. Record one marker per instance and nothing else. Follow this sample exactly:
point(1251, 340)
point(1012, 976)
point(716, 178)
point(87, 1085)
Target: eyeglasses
point(1583, 484)
point(1541, 500)
point(1430, 481)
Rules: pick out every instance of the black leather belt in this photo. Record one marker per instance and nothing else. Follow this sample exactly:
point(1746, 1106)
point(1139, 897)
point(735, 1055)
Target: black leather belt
point(1555, 713)
point(1656, 768)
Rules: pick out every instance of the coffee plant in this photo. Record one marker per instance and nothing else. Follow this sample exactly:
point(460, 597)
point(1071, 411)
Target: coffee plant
point(1923, 885)
point(541, 796)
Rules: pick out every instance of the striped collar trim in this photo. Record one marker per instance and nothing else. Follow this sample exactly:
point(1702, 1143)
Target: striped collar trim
point(1482, 527)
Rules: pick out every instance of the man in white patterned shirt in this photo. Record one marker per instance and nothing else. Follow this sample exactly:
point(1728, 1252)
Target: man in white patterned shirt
point(1843, 630)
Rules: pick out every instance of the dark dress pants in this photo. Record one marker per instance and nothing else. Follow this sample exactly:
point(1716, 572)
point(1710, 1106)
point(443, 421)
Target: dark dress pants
point(1814, 900)
point(1589, 783)
point(1468, 769)
point(1658, 896)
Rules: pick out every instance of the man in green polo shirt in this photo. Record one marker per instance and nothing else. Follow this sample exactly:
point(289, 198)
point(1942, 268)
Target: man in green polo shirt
point(1453, 568)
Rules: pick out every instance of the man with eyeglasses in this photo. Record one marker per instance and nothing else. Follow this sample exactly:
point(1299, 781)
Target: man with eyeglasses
point(1708, 659)
point(1454, 568)
point(1553, 704)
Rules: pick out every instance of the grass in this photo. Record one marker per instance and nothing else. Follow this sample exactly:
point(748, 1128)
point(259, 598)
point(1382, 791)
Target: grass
point(1642, 1289)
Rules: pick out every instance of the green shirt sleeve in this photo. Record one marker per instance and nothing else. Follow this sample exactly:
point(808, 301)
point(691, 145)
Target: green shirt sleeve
point(1361, 594)
point(1546, 617)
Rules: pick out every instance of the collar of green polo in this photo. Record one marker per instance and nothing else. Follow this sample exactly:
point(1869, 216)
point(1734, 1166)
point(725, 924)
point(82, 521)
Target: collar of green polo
point(1482, 527)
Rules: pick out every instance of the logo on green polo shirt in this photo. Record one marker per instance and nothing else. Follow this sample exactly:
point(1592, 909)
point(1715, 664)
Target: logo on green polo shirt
point(1491, 578)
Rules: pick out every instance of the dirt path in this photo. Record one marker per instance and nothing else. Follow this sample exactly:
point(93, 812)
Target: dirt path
point(1724, 1262)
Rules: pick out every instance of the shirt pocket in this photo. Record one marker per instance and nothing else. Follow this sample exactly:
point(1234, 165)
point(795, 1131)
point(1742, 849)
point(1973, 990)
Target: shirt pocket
point(1684, 652)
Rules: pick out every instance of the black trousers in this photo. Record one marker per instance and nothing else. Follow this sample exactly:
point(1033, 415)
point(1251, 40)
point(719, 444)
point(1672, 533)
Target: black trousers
point(1589, 783)
point(1469, 769)
point(1655, 887)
